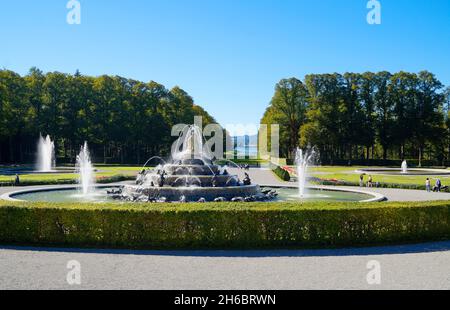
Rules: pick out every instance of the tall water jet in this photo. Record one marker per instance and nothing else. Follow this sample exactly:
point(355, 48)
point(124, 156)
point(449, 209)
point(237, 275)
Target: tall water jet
point(190, 144)
point(85, 170)
point(404, 167)
point(303, 159)
point(46, 154)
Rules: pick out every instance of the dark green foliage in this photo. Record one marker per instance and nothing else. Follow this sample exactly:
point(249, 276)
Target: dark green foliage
point(124, 120)
point(362, 117)
point(282, 174)
point(224, 225)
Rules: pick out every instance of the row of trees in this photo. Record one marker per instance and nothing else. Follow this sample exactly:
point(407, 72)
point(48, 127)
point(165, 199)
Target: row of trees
point(364, 116)
point(123, 120)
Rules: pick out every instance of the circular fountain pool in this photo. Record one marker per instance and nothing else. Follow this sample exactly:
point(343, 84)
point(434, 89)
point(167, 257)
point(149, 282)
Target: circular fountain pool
point(284, 194)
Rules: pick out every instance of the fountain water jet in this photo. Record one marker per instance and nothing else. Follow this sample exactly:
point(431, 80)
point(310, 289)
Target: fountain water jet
point(303, 159)
point(46, 154)
point(85, 170)
point(404, 167)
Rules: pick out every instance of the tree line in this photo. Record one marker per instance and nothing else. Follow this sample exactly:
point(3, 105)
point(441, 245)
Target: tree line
point(366, 116)
point(124, 120)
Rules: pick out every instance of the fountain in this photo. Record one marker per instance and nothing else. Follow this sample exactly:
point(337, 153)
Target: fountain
point(404, 167)
point(190, 175)
point(404, 171)
point(303, 159)
point(46, 154)
point(86, 171)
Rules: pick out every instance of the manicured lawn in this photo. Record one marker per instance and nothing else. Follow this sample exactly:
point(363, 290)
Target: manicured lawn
point(103, 172)
point(348, 174)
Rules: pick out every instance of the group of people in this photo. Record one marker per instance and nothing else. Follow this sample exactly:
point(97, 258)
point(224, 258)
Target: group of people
point(438, 187)
point(245, 167)
point(369, 183)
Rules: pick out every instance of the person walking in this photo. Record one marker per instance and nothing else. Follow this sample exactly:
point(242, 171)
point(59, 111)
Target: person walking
point(17, 180)
point(438, 185)
point(428, 185)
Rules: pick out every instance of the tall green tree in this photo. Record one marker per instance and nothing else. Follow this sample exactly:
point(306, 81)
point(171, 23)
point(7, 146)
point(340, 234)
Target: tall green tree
point(291, 101)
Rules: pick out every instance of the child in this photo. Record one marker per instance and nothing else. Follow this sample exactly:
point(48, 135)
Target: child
point(428, 185)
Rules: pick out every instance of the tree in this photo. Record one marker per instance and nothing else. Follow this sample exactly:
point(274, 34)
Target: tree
point(15, 112)
point(384, 109)
point(429, 120)
point(291, 101)
point(367, 132)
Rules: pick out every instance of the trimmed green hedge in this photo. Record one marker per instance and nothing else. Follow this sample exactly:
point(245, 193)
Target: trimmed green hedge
point(222, 225)
point(282, 174)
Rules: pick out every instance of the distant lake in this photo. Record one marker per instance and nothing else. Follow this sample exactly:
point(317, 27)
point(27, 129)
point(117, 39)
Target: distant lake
point(251, 150)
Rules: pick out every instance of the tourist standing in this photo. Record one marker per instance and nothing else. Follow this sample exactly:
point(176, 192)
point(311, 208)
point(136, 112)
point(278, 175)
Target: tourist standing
point(428, 185)
point(17, 180)
point(370, 182)
point(361, 180)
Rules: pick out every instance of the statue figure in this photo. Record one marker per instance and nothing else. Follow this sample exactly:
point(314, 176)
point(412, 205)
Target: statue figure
point(162, 179)
point(215, 181)
point(247, 180)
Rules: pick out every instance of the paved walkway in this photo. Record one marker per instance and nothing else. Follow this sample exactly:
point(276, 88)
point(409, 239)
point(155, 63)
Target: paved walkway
point(422, 266)
point(266, 177)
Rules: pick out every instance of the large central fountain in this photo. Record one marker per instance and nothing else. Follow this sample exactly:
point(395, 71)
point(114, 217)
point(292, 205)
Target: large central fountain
point(190, 175)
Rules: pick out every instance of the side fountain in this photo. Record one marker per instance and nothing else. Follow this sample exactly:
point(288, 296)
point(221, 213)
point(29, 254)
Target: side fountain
point(303, 159)
point(45, 161)
point(46, 154)
point(85, 171)
point(405, 167)
point(404, 170)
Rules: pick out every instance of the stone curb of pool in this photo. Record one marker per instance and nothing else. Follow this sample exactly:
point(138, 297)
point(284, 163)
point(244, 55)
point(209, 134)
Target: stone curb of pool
point(377, 197)
point(10, 195)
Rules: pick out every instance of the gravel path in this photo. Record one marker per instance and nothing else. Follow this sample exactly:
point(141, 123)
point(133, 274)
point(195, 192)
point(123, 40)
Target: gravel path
point(403, 267)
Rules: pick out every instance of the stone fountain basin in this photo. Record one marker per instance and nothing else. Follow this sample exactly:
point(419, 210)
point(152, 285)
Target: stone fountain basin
point(398, 171)
point(205, 181)
point(191, 169)
point(196, 193)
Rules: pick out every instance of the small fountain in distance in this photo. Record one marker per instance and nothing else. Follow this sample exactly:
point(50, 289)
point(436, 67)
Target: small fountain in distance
point(404, 167)
point(303, 159)
point(46, 154)
point(85, 171)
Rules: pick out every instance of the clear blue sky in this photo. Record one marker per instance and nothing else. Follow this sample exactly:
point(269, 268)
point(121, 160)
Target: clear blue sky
point(227, 54)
